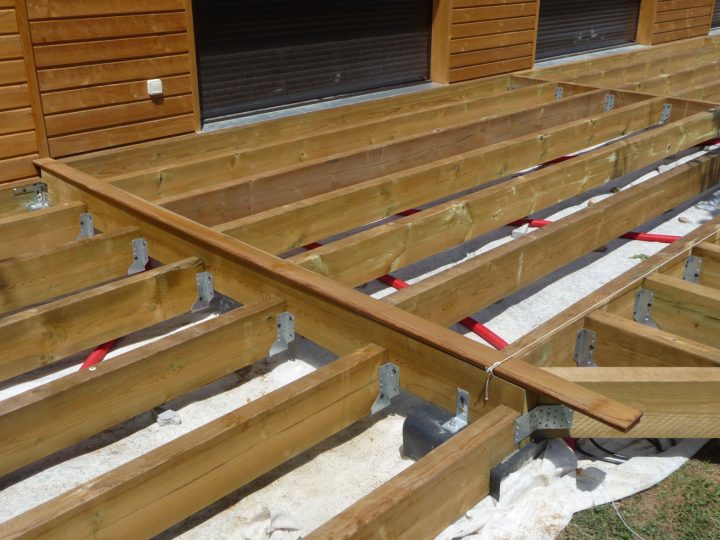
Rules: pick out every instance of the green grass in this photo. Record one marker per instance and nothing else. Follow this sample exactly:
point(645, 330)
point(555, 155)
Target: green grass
point(685, 506)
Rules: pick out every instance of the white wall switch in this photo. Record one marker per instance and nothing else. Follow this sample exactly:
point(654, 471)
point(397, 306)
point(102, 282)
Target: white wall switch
point(155, 87)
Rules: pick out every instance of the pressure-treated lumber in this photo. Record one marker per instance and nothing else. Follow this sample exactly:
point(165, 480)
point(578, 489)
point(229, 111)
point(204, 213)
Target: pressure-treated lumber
point(49, 418)
point(361, 257)
point(43, 335)
point(687, 309)
point(424, 499)
point(622, 342)
point(42, 275)
point(40, 229)
point(318, 217)
point(553, 343)
point(473, 284)
point(677, 402)
point(710, 272)
point(335, 315)
point(207, 177)
point(463, 133)
point(152, 492)
point(109, 163)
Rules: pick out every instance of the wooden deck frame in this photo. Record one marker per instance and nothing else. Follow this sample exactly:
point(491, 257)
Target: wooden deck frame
point(433, 360)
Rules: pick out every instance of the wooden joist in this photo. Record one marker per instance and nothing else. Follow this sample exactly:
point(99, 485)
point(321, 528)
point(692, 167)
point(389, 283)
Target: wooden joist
point(436, 140)
point(678, 402)
point(622, 342)
point(207, 177)
point(49, 418)
point(473, 284)
point(687, 309)
point(361, 257)
point(25, 280)
point(43, 335)
point(152, 492)
point(41, 229)
point(422, 500)
point(313, 219)
point(710, 255)
point(327, 312)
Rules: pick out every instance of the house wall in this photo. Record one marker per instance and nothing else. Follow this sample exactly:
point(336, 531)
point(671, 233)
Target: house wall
point(662, 21)
point(93, 59)
point(18, 138)
point(73, 73)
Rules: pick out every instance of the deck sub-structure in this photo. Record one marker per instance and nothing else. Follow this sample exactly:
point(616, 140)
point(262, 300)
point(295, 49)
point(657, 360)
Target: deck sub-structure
point(241, 207)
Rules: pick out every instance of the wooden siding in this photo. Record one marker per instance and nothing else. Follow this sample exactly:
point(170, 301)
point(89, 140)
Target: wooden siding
point(489, 37)
point(18, 140)
point(93, 60)
point(662, 21)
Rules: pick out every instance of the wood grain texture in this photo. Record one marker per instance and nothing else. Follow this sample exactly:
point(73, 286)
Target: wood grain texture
point(146, 495)
point(51, 417)
point(432, 493)
point(46, 334)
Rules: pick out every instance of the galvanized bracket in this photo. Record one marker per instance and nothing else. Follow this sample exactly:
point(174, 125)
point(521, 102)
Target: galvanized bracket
point(41, 198)
point(285, 323)
point(389, 386)
point(642, 312)
point(693, 266)
point(87, 228)
point(543, 417)
point(460, 420)
point(585, 348)
point(206, 292)
point(666, 112)
point(609, 104)
point(559, 93)
point(140, 256)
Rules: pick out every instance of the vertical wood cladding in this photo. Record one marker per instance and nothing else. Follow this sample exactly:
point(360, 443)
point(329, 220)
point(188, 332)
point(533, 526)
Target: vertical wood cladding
point(489, 37)
point(93, 59)
point(671, 20)
point(18, 140)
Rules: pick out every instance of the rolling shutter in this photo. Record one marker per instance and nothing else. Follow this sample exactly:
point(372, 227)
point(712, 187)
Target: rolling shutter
point(255, 54)
point(573, 26)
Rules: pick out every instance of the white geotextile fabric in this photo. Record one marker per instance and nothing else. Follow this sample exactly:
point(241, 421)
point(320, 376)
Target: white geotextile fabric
point(539, 500)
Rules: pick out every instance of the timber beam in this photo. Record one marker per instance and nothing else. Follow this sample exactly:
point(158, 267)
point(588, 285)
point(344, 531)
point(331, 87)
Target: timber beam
point(243, 269)
point(148, 494)
point(49, 418)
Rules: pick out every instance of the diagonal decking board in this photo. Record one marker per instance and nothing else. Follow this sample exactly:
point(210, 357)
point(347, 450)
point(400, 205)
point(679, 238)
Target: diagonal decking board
point(289, 182)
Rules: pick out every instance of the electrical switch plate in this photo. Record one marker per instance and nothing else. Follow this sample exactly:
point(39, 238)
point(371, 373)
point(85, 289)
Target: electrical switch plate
point(155, 87)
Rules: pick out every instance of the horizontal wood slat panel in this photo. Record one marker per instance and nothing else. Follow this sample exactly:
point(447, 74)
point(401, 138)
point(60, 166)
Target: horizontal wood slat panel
point(110, 94)
point(107, 27)
point(120, 136)
point(48, 9)
point(18, 167)
point(8, 21)
point(676, 20)
point(10, 47)
point(109, 51)
point(93, 61)
point(490, 37)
